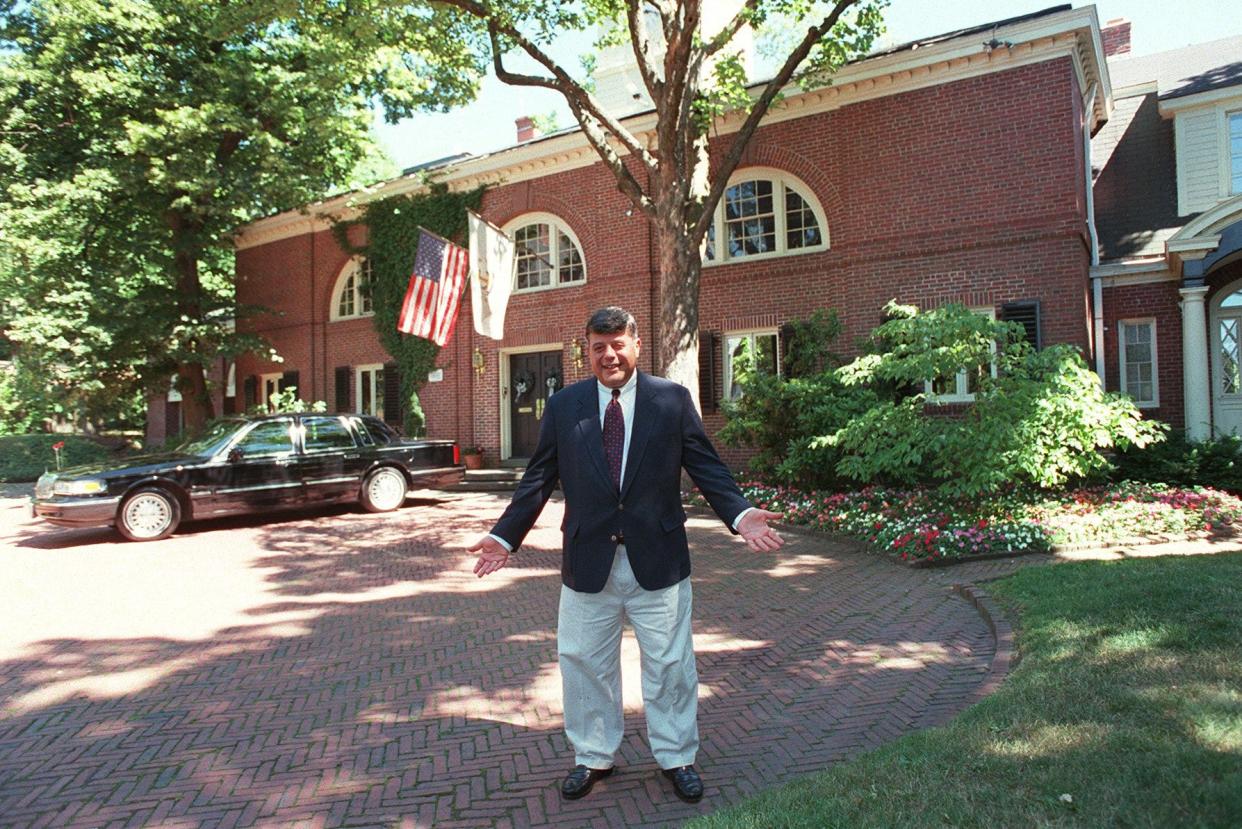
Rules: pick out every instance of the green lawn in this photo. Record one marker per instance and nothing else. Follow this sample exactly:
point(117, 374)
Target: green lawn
point(1125, 709)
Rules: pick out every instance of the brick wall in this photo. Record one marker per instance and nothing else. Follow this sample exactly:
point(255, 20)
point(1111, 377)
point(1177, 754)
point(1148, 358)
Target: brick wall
point(970, 191)
point(1159, 300)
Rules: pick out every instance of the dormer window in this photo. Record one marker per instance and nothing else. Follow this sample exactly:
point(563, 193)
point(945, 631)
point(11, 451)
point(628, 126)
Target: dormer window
point(765, 213)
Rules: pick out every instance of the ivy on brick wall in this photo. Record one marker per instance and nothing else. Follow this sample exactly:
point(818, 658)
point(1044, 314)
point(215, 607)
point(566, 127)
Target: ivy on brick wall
point(392, 238)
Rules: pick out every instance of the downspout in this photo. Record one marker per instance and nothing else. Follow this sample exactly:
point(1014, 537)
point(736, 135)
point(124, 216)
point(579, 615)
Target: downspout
point(1097, 283)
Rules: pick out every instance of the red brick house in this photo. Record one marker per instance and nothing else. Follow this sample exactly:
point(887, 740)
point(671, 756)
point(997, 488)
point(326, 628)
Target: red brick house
point(955, 169)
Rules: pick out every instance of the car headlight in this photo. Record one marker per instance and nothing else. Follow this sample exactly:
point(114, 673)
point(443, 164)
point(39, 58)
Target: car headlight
point(80, 486)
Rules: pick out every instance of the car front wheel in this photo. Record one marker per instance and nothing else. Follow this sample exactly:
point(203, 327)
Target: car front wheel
point(383, 490)
point(148, 515)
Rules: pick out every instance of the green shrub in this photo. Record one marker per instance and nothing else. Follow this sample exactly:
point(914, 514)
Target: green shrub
point(1180, 462)
point(1039, 417)
point(26, 457)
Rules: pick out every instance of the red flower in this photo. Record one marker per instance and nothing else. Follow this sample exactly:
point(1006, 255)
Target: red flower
point(58, 445)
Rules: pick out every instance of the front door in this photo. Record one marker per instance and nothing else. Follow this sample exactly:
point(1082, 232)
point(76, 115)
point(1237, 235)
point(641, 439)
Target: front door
point(533, 378)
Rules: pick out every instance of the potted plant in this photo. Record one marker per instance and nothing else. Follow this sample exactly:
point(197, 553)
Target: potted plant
point(472, 456)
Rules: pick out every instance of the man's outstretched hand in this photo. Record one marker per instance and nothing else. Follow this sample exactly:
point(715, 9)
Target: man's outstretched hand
point(758, 535)
point(492, 555)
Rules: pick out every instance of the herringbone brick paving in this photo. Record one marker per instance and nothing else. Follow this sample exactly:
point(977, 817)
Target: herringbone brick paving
point(341, 669)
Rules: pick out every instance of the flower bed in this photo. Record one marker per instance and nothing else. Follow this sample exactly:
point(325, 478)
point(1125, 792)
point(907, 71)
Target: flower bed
point(920, 526)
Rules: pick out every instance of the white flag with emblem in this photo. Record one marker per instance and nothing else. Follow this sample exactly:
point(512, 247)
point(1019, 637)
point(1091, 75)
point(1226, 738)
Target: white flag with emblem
point(491, 276)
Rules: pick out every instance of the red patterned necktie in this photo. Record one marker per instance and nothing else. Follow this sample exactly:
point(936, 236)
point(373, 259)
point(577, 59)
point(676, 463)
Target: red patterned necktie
point(614, 437)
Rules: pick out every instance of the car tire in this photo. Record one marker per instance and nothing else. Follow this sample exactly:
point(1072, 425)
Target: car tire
point(383, 490)
point(148, 514)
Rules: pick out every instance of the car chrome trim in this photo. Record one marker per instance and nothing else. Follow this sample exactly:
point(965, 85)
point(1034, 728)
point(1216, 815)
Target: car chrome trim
point(347, 479)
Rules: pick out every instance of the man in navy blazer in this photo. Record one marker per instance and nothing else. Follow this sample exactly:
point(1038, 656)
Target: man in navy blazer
point(617, 444)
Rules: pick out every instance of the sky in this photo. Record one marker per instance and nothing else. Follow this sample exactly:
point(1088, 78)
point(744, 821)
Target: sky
point(487, 124)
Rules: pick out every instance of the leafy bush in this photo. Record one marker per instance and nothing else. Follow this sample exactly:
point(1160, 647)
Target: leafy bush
point(779, 416)
point(1180, 462)
point(26, 457)
point(1038, 417)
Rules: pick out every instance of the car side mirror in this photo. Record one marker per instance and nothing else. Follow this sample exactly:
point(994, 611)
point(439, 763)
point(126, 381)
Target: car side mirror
point(236, 454)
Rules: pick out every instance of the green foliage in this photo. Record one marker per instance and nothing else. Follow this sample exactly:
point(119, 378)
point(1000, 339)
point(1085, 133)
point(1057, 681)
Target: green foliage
point(26, 457)
point(779, 416)
point(392, 233)
point(287, 401)
point(1178, 461)
point(1038, 417)
point(1042, 418)
point(136, 136)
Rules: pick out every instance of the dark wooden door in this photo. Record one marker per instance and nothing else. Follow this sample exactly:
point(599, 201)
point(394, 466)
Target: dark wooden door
point(533, 378)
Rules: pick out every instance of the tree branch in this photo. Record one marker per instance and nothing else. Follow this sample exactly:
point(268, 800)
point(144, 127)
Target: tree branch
point(642, 49)
point(758, 110)
point(594, 131)
point(725, 35)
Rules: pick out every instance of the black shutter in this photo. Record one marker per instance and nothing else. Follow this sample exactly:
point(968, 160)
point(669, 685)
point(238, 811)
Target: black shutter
point(1025, 314)
point(343, 389)
point(250, 393)
point(393, 413)
point(290, 380)
point(784, 341)
point(709, 371)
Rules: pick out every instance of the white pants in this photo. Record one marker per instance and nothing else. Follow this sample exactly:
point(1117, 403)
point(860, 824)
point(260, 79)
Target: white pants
point(589, 644)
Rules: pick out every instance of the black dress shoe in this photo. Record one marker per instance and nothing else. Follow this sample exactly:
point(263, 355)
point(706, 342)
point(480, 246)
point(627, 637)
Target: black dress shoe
point(580, 780)
point(686, 783)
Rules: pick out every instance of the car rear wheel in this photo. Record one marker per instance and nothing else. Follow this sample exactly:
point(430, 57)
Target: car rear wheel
point(383, 490)
point(148, 515)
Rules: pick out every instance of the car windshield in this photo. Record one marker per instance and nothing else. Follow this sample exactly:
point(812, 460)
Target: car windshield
point(209, 442)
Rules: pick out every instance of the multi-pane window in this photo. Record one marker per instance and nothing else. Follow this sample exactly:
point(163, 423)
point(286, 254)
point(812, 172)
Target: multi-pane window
point(370, 397)
point(1235, 151)
point(761, 216)
point(1137, 344)
point(547, 257)
point(747, 354)
point(354, 296)
point(1230, 356)
point(962, 387)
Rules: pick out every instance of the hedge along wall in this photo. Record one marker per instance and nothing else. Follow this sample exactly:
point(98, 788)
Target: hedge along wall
point(392, 239)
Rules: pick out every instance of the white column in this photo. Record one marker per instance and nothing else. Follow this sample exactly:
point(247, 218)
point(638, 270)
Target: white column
point(1195, 386)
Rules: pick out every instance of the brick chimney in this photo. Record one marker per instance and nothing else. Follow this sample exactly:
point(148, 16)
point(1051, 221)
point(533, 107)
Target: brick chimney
point(526, 129)
point(1116, 36)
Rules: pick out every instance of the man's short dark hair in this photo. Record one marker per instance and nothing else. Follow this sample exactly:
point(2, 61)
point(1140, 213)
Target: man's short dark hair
point(612, 320)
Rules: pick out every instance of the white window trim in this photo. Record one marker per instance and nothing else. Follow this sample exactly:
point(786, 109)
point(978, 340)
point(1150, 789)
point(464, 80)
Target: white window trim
point(511, 228)
point(264, 398)
point(1155, 366)
point(962, 380)
point(352, 267)
point(727, 375)
point(780, 180)
point(379, 391)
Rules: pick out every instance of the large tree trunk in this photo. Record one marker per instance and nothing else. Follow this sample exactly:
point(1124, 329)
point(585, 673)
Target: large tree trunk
point(678, 326)
point(196, 408)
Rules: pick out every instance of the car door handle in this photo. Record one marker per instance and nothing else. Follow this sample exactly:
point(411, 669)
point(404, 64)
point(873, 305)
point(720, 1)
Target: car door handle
point(284, 461)
point(352, 455)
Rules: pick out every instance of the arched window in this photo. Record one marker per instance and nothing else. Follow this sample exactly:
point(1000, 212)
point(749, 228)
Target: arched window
point(764, 213)
point(352, 296)
point(547, 251)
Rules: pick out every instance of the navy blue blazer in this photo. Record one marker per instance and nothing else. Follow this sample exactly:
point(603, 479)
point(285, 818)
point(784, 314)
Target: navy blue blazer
point(667, 435)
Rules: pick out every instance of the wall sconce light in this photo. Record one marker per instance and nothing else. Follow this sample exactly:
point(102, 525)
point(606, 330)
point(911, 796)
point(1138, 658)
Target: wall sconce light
point(478, 362)
point(575, 349)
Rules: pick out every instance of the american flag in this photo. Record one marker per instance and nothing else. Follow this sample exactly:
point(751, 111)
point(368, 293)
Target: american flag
point(430, 307)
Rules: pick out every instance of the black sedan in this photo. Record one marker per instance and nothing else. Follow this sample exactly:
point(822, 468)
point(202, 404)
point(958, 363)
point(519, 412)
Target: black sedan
point(247, 465)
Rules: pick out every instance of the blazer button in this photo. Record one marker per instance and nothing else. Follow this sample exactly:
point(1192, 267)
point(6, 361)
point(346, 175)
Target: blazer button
point(621, 506)
point(613, 538)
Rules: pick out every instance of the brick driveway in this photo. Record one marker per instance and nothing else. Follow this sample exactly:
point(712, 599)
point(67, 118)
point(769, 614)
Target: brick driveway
point(343, 669)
